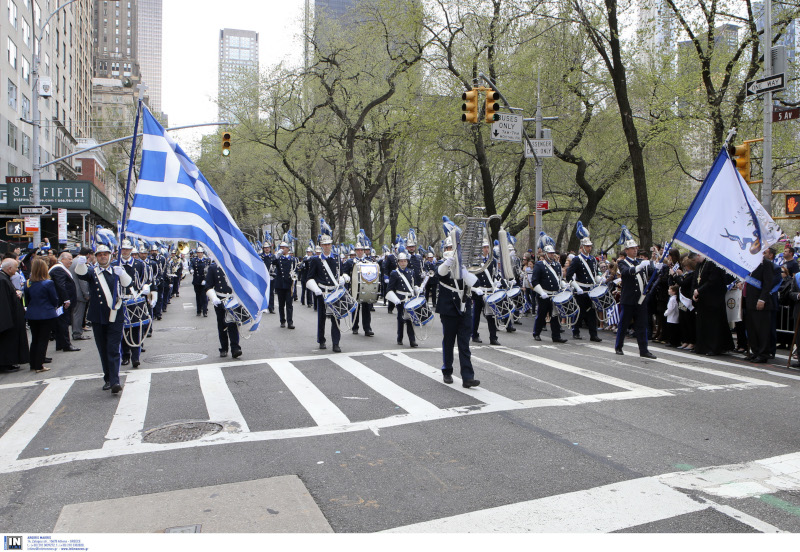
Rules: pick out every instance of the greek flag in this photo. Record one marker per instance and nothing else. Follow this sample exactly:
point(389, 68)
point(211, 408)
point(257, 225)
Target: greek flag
point(612, 315)
point(726, 223)
point(174, 201)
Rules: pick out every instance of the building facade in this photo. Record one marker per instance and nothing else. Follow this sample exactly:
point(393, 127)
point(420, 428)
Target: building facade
point(238, 73)
point(149, 49)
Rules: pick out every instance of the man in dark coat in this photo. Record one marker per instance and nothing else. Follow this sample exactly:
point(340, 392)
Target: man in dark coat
point(759, 306)
point(67, 296)
point(713, 331)
point(13, 337)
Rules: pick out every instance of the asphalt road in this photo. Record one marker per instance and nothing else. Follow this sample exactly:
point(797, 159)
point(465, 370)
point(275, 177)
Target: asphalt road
point(566, 437)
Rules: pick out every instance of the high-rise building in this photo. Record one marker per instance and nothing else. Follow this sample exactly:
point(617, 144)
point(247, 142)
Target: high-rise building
point(238, 67)
point(115, 48)
point(149, 48)
point(657, 25)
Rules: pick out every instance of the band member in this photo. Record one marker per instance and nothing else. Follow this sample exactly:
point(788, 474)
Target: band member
point(402, 287)
point(323, 278)
point(285, 274)
point(546, 282)
point(306, 297)
point(389, 265)
point(415, 260)
point(364, 311)
point(454, 307)
point(484, 287)
point(218, 289)
point(198, 265)
point(269, 259)
point(433, 284)
point(139, 286)
point(582, 276)
point(634, 273)
point(106, 286)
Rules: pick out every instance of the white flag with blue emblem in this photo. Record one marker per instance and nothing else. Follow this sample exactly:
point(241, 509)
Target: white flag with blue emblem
point(174, 201)
point(726, 223)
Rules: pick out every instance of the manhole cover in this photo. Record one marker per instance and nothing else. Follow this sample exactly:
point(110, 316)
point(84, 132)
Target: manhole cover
point(176, 329)
point(180, 432)
point(175, 358)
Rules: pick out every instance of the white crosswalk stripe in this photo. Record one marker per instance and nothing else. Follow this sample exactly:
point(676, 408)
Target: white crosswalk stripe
point(127, 424)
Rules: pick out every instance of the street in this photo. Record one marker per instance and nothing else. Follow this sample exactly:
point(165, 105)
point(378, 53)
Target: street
point(557, 438)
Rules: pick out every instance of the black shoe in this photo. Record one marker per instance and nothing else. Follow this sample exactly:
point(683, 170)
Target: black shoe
point(537, 338)
point(271, 311)
point(126, 361)
point(355, 332)
point(236, 353)
point(414, 344)
point(369, 333)
point(595, 339)
point(647, 354)
point(619, 351)
point(143, 350)
point(71, 349)
point(576, 337)
point(511, 329)
point(9, 368)
point(336, 349)
point(106, 386)
point(559, 340)
point(136, 363)
point(476, 340)
point(760, 360)
point(205, 315)
point(223, 354)
point(323, 346)
point(291, 326)
point(399, 342)
point(47, 360)
point(447, 378)
point(494, 342)
point(159, 317)
point(283, 324)
point(116, 388)
point(199, 314)
point(470, 383)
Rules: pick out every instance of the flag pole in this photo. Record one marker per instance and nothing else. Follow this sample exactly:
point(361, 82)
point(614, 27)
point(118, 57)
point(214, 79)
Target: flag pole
point(141, 88)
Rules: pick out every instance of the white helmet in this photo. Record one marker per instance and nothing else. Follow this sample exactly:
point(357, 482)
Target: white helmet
point(142, 249)
point(430, 255)
point(200, 249)
point(102, 248)
point(630, 243)
point(318, 249)
point(154, 247)
point(448, 242)
point(586, 241)
point(266, 244)
point(358, 246)
point(402, 257)
point(325, 239)
point(283, 244)
point(126, 244)
point(549, 249)
point(309, 249)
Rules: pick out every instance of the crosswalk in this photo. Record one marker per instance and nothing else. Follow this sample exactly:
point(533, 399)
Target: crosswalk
point(327, 394)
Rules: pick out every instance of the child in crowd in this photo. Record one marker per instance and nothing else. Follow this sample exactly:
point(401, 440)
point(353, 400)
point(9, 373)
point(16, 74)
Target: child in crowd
point(672, 336)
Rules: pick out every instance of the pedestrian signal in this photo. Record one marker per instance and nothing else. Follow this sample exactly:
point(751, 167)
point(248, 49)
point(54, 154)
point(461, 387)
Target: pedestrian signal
point(793, 204)
point(14, 228)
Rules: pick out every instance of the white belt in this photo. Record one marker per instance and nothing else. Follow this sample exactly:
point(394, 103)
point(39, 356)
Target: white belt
point(445, 286)
point(584, 286)
point(326, 288)
point(223, 295)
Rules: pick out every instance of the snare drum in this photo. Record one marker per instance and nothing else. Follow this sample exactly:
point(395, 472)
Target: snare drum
point(235, 312)
point(567, 307)
point(418, 312)
point(517, 298)
point(136, 313)
point(602, 300)
point(498, 305)
point(339, 304)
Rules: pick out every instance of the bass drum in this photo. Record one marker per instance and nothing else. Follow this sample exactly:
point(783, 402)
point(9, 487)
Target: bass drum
point(366, 282)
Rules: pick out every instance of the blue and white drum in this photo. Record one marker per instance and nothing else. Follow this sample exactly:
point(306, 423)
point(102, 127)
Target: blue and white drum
point(498, 305)
point(418, 312)
point(517, 298)
point(567, 307)
point(602, 300)
point(235, 312)
point(339, 304)
point(136, 313)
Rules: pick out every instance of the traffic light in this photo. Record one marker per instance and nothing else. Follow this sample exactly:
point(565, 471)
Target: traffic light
point(470, 106)
point(14, 228)
point(492, 107)
point(793, 204)
point(741, 158)
point(226, 144)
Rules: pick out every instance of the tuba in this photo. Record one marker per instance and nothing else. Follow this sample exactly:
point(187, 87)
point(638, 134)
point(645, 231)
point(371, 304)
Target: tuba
point(469, 249)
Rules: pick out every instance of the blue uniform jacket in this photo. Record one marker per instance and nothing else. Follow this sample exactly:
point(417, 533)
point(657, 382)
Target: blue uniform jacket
point(41, 299)
point(544, 276)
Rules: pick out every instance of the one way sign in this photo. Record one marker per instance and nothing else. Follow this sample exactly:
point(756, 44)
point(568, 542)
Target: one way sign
point(767, 84)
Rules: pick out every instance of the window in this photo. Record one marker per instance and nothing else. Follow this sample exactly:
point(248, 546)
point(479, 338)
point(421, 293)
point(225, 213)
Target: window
point(12, 53)
point(25, 105)
point(26, 33)
point(26, 69)
point(12, 170)
point(26, 145)
point(12, 13)
point(12, 95)
point(47, 64)
point(12, 136)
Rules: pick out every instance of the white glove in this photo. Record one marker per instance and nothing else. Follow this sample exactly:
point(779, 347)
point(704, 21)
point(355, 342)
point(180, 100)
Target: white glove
point(213, 297)
point(449, 261)
point(417, 290)
point(341, 280)
point(640, 267)
point(312, 285)
point(477, 291)
point(146, 289)
point(385, 280)
point(469, 278)
point(203, 283)
point(392, 296)
point(658, 266)
point(618, 281)
point(118, 270)
point(540, 290)
point(579, 291)
point(346, 278)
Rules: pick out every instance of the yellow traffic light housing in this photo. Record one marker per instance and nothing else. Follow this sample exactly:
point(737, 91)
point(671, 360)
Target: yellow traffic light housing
point(741, 158)
point(226, 144)
point(492, 107)
point(470, 106)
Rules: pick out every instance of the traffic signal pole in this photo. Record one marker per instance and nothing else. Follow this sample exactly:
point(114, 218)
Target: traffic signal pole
point(766, 189)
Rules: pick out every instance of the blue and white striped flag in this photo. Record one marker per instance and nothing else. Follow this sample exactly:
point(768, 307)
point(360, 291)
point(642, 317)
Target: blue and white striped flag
point(175, 201)
point(612, 315)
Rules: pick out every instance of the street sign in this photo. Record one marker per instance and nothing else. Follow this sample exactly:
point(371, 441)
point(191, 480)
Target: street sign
point(508, 128)
point(18, 180)
point(786, 115)
point(62, 226)
point(35, 210)
point(14, 228)
point(32, 224)
point(767, 84)
point(543, 205)
point(543, 148)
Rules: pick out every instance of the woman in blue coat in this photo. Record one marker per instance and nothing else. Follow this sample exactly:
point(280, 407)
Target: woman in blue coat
point(41, 299)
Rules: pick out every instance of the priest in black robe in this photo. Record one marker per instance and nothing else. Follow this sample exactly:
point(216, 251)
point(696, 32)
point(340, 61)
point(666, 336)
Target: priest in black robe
point(713, 332)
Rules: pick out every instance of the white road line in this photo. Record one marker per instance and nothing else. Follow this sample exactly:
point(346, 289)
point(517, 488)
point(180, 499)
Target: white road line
point(610, 380)
point(537, 380)
point(220, 403)
point(19, 435)
point(487, 397)
point(598, 510)
point(128, 421)
point(313, 400)
point(406, 400)
point(747, 519)
point(700, 369)
point(712, 360)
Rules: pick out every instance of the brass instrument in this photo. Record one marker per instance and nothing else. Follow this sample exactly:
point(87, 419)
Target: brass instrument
point(183, 247)
point(470, 249)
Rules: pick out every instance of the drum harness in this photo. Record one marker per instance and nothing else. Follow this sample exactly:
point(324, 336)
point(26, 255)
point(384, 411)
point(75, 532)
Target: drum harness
point(337, 321)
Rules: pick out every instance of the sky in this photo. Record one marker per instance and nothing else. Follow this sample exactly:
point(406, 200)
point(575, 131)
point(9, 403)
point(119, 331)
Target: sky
point(190, 53)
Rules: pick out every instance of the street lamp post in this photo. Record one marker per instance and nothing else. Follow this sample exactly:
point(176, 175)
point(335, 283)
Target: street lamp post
point(37, 166)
